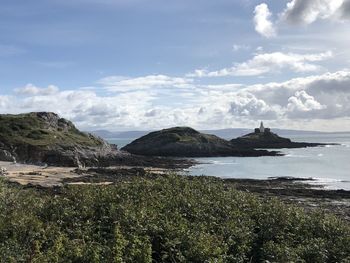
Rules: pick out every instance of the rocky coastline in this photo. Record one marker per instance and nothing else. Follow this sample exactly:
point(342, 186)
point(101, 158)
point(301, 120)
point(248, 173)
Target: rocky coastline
point(297, 191)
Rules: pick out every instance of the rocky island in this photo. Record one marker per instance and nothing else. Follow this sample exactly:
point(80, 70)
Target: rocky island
point(187, 142)
point(264, 138)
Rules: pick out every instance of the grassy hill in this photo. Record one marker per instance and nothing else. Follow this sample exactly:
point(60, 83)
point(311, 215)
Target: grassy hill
point(45, 137)
point(42, 129)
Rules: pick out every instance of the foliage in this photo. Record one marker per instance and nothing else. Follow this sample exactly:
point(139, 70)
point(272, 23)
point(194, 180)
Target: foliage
point(167, 219)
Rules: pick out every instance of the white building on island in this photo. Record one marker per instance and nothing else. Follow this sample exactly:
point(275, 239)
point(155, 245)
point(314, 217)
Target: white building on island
point(262, 128)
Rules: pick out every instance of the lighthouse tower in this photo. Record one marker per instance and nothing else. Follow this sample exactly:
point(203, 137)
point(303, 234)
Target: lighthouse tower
point(262, 128)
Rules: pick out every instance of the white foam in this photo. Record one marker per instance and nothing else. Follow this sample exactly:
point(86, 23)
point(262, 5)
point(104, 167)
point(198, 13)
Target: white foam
point(295, 155)
point(327, 180)
point(330, 146)
point(222, 163)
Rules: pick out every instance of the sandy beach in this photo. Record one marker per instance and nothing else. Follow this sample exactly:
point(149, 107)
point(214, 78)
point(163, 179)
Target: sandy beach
point(49, 176)
point(25, 174)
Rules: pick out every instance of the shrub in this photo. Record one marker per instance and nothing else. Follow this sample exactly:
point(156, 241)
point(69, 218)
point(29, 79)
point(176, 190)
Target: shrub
point(167, 219)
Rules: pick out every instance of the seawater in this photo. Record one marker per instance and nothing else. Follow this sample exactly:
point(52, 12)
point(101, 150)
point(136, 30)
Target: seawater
point(328, 166)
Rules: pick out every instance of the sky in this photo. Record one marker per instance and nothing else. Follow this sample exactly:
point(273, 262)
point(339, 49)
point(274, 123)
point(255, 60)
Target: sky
point(149, 64)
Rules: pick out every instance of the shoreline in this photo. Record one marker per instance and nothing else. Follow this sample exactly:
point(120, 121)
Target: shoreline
point(297, 191)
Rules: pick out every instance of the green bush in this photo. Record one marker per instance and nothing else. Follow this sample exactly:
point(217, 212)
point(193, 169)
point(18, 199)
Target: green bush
point(167, 219)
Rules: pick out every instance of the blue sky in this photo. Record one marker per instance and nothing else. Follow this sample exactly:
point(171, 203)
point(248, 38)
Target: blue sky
point(137, 64)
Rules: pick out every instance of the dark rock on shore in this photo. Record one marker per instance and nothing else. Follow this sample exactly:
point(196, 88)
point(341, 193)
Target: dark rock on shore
point(187, 142)
point(297, 191)
point(45, 138)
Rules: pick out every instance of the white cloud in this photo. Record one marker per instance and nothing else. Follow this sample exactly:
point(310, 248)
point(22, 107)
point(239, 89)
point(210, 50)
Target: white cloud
point(123, 84)
point(4, 100)
point(30, 90)
point(263, 63)
point(237, 47)
point(247, 105)
point(323, 96)
point(291, 104)
point(302, 102)
point(307, 12)
point(262, 21)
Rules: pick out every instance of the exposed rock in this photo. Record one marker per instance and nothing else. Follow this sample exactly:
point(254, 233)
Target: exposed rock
point(187, 142)
point(3, 171)
point(297, 191)
point(6, 156)
point(45, 138)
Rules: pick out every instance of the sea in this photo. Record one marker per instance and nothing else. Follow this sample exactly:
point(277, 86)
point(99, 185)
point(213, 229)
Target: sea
point(328, 166)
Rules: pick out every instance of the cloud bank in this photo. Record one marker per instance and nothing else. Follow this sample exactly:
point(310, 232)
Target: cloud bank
point(265, 63)
point(297, 103)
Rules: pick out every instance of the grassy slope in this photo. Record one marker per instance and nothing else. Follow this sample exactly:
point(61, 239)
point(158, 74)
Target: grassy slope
point(179, 134)
point(264, 137)
point(167, 219)
point(32, 130)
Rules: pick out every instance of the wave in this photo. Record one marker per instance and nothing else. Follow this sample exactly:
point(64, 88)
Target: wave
point(223, 163)
point(329, 180)
point(295, 155)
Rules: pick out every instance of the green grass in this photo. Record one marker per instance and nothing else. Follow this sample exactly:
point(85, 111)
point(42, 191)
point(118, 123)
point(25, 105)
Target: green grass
point(30, 130)
point(168, 219)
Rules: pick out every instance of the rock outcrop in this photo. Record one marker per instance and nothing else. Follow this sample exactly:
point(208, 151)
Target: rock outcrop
point(45, 138)
point(187, 142)
point(268, 140)
point(3, 171)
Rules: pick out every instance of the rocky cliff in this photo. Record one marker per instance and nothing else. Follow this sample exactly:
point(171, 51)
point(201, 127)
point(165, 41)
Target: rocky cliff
point(187, 142)
point(45, 138)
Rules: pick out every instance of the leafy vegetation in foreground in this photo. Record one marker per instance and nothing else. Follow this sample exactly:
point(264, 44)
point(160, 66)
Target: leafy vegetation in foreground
point(168, 219)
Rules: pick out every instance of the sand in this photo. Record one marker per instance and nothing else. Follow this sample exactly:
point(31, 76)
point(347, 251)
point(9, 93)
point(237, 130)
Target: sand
point(50, 176)
point(37, 175)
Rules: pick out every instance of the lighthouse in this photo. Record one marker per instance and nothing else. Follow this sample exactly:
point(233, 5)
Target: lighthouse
point(262, 128)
